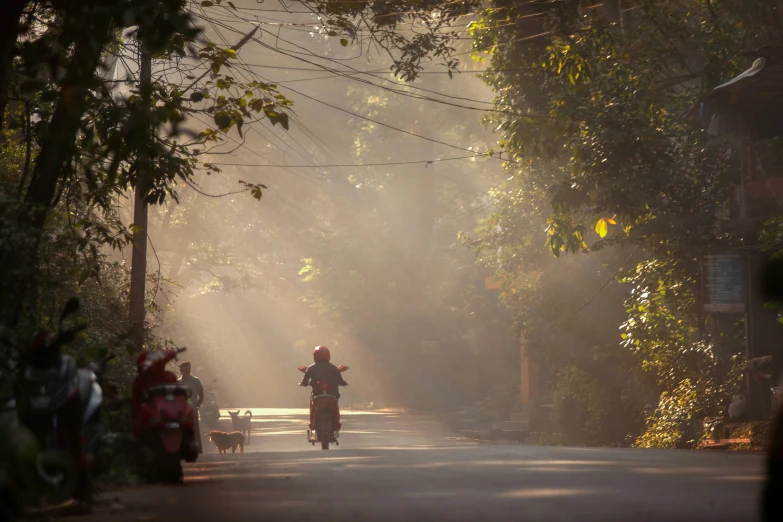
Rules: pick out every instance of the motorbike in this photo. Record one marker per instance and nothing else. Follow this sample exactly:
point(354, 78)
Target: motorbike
point(209, 411)
point(97, 439)
point(60, 404)
point(163, 419)
point(324, 406)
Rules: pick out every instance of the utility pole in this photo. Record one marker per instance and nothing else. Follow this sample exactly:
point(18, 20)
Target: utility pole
point(138, 284)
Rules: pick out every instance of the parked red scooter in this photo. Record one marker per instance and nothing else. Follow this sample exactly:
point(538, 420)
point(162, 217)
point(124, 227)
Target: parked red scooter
point(163, 419)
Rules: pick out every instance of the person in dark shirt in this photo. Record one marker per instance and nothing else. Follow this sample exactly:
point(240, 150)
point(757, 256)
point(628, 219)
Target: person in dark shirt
point(324, 372)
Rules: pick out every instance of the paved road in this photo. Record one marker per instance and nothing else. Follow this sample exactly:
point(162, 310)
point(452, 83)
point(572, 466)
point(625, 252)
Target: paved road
point(395, 467)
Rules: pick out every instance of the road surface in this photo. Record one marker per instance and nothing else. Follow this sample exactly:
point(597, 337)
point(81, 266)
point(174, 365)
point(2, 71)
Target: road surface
point(404, 467)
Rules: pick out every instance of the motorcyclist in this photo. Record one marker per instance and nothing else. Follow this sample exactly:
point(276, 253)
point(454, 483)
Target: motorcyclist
point(324, 371)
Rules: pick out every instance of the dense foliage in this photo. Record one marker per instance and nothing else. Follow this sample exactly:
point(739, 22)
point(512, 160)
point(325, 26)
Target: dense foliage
point(591, 104)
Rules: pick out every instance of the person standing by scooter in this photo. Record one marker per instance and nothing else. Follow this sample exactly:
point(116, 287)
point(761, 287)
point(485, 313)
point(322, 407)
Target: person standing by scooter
point(197, 397)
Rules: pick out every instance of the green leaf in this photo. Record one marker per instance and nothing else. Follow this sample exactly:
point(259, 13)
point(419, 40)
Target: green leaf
point(206, 3)
point(601, 227)
point(232, 6)
point(278, 117)
point(343, 42)
point(196, 97)
point(223, 121)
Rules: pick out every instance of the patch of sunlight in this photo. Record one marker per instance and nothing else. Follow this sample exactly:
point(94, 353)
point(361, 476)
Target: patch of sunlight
point(275, 419)
point(322, 460)
point(531, 463)
point(287, 412)
point(366, 412)
point(243, 476)
point(433, 465)
point(413, 448)
point(448, 493)
point(673, 471)
point(545, 493)
point(555, 469)
point(265, 412)
point(738, 478)
point(287, 432)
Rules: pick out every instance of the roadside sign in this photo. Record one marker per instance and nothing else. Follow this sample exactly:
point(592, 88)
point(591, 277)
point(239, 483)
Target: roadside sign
point(724, 282)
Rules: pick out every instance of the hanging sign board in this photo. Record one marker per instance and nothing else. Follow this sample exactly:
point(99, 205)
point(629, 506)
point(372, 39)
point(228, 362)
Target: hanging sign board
point(724, 282)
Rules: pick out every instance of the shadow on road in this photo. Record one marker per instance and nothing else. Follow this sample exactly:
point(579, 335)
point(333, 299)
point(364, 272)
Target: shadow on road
point(403, 467)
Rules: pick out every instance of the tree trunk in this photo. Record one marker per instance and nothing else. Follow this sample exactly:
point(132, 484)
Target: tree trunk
point(10, 13)
point(56, 148)
point(138, 284)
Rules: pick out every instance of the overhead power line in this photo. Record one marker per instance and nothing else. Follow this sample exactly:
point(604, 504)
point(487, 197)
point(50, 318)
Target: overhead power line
point(403, 131)
point(377, 122)
point(381, 164)
point(367, 82)
point(356, 71)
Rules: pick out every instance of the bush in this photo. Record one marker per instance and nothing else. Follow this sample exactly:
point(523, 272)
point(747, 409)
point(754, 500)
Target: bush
point(592, 410)
point(677, 422)
point(501, 400)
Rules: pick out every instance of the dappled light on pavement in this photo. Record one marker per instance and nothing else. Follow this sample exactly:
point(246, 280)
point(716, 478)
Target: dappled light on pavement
point(392, 467)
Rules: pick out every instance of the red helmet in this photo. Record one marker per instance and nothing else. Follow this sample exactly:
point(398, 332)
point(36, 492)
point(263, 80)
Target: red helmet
point(321, 353)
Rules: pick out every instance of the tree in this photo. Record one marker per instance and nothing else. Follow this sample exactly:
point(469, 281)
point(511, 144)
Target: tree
point(590, 108)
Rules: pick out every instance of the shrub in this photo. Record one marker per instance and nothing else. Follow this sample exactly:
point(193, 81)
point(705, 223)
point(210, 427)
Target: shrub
point(594, 409)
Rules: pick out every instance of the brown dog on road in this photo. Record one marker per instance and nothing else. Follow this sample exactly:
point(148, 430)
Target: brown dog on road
point(241, 424)
point(224, 440)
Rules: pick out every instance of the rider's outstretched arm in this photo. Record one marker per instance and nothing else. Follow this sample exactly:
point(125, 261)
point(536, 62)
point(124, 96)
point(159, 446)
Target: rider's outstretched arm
point(305, 379)
point(341, 381)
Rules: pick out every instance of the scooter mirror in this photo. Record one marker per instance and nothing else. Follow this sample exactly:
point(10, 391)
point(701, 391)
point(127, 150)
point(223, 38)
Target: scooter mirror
point(71, 307)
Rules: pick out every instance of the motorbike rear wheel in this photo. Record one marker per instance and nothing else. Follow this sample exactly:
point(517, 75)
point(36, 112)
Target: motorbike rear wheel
point(170, 470)
point(325, 432)
point(159, 464)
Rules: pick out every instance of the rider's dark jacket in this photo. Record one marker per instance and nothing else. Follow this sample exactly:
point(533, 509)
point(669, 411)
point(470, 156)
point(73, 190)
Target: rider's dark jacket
point(325, 372)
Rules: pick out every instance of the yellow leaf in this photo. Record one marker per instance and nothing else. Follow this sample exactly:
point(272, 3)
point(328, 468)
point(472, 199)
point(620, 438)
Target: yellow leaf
point(601, 227)
point(627, 228)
